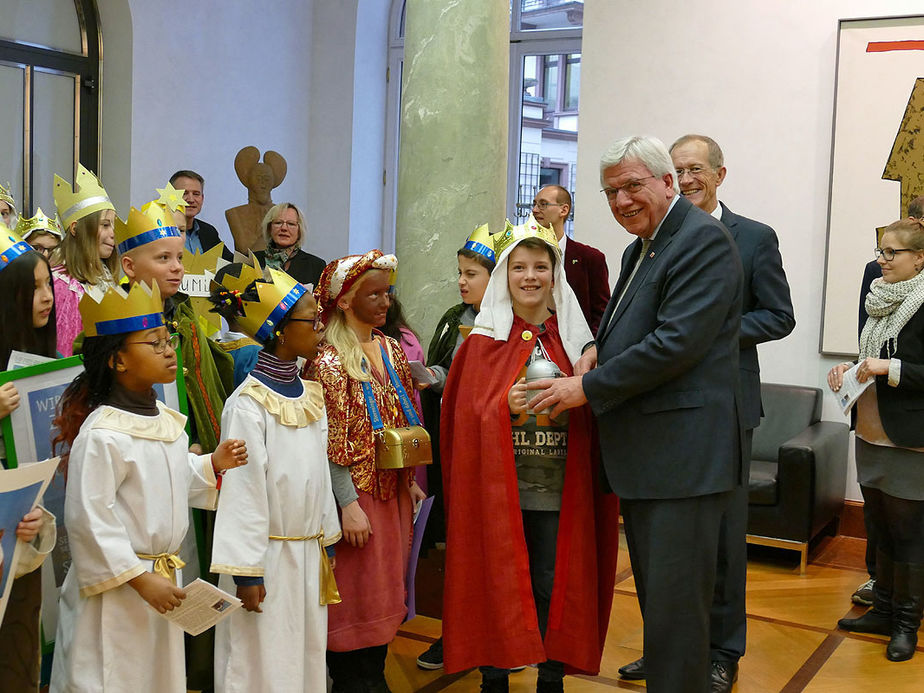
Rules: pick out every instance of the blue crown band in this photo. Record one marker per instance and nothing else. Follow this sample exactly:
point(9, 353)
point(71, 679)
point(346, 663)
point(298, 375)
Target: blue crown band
point(135, 323)
point(285, 305)
point(14, 251)
point(148, 237)
point(481, 249)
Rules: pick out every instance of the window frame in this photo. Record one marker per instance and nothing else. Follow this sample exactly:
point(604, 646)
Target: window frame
point(85, 69)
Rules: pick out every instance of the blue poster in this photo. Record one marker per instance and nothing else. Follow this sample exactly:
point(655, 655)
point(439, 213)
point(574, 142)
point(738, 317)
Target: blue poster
point(13, 505)
point(42, 404)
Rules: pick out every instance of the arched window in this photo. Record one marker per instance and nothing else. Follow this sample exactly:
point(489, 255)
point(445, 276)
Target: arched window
point(49, 95)
point(545, 74)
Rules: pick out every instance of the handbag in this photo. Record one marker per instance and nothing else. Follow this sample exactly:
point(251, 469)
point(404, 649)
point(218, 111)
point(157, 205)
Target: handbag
point(397, 447)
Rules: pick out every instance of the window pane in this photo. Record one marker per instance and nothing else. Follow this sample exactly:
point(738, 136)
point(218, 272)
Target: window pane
point(46, 23)
point(572, 82)
point(540, 15)
point(548, 137)
point(11, 125)
point(53, 134)
point(550, 81)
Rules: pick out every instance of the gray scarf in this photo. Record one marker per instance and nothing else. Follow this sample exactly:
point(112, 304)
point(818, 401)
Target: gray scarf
point(890, 306)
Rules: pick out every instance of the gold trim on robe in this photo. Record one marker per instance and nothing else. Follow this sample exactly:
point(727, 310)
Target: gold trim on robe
point(167, 427)
point(297, 412)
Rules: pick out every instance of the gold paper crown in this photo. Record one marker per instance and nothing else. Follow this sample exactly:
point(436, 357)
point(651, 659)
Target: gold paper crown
point(530, 229)
point(277, 293)
point(11, 246)
point(86, 197)
point(40, 222)
point(118, 311)
point(5, 196)
point(171, 198)
point(151, 223)
point(482, 242)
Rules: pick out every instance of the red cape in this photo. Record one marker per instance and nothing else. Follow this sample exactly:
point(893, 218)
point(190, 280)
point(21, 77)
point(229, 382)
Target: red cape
point(489, 616)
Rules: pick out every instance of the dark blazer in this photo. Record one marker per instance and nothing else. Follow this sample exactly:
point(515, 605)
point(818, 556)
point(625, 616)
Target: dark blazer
point(901, 408)
point(208, 236)
point(665, 387)
point(766, 306)
point(303, 267)
point(589, 278)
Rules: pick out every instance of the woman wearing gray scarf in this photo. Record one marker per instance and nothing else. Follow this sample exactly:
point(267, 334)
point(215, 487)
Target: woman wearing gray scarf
point(284, 230)
point(890, 437)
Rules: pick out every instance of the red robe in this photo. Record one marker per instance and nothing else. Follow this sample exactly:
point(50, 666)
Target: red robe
point(489, 615)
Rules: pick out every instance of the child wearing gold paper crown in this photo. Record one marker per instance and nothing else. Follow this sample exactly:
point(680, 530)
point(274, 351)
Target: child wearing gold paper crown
point(41, 232)
point(151, 251)
point(277, 515)
point(130, 479)
point(86, 257)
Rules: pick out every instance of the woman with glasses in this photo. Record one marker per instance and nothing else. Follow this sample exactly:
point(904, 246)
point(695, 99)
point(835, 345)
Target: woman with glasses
point(890, 436)
point(284, 229)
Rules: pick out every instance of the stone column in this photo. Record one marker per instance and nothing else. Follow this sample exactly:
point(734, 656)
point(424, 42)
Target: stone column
point(452, 171)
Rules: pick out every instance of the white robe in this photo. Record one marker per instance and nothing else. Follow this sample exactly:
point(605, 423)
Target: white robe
point(130, 481)
point(285, 490)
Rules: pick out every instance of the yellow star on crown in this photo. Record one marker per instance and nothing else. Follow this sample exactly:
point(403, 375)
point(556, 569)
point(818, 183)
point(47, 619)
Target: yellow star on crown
point(171, 197)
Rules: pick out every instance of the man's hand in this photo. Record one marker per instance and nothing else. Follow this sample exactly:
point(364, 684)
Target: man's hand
point(158, 591)
point(587, 362)
point(252, 596)
point(558, 393)
point(356, 526)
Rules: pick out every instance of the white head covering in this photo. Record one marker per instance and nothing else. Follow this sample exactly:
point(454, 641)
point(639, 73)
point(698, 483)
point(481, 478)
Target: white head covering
point(495, 319)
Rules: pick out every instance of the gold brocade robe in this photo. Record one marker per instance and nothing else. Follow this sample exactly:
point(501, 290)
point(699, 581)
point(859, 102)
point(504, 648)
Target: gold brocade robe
point(349, 440)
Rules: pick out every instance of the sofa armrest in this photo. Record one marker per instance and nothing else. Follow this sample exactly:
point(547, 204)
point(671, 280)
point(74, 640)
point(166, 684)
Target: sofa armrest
point(813, 474)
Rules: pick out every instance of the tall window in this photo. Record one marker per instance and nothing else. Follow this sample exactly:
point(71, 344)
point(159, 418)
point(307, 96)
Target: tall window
point(545, 79)
point(49, 95)
point(545, 76)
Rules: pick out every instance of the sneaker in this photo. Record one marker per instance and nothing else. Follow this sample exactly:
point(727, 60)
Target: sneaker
point(864, 593)
point(432, 659)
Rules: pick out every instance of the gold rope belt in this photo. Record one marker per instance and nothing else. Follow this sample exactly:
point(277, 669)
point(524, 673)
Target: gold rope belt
point(165, 564)
point(329, 594)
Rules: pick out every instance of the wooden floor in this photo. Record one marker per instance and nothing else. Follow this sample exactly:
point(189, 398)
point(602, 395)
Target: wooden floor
point(792, 641)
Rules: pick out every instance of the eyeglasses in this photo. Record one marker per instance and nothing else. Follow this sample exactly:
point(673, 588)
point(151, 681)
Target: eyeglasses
point(693, 171)
point(889, 253)
point(315, 321)
point(630, 188)
point(160, 346)
point(279, 223)
point(542, 204)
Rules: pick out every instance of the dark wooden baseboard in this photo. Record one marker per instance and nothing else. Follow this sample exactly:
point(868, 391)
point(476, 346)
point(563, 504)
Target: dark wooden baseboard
point(852, 520)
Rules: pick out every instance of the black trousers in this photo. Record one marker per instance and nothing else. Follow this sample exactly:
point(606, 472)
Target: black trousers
point(540, 528)
point(728, 616)
point(673, 546)
point(898, 523)
point(871, 541)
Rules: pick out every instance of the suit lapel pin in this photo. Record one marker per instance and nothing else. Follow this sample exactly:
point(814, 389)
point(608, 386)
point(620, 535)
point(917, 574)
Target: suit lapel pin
point(651, 254)
point(574, 261)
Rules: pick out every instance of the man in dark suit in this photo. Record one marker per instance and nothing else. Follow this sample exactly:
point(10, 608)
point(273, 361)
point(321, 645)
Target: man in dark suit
point(766, 315)
point(664, 390)
point(200, 235)
point(585, 266)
